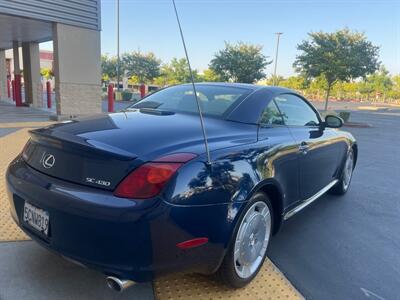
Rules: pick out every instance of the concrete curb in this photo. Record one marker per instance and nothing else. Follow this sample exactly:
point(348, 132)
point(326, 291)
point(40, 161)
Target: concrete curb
point(357, 125)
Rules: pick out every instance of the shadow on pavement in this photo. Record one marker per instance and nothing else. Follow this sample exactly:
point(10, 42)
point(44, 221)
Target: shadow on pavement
point(28, 271)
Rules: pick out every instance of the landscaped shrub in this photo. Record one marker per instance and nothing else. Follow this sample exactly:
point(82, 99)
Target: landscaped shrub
point(127, 95)
point(345, 115)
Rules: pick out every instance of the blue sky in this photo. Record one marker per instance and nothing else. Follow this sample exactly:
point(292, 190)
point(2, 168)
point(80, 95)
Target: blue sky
point(150, 25)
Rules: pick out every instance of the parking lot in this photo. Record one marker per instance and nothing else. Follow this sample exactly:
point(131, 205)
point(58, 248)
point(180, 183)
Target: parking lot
point(348, 247)
point(338, 248)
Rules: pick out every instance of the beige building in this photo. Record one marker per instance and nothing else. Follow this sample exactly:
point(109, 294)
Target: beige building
point(46, 62)
point(74, 28)
point(45, 56)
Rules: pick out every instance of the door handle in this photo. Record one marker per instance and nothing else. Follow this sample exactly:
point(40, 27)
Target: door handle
point(303, 148)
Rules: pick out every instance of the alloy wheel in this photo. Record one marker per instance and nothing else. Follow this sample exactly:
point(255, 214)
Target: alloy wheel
point(252, 239)
point(348, 170)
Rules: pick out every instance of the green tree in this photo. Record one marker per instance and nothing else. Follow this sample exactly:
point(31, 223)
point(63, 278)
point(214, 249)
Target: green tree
point(239, 63)
point(47, 73)
point(298, 83)
point(395, 92)
point(133, 80)
point(396, 82)
point(366, 88)
point(210, 76)
point(342, 55)
point(350, 89)
point(145, 66)
point(380, 82)
point(108, 67)
point(161, 80)
point(176, 72)
point(272, 80)
point(316, 86)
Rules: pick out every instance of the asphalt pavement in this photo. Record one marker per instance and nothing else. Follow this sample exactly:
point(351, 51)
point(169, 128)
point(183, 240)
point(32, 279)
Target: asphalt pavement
point(349, 247)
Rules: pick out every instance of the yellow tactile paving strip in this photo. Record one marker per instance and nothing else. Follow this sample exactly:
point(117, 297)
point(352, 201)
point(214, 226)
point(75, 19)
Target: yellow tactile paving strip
point(269, 284)
point(10, 146)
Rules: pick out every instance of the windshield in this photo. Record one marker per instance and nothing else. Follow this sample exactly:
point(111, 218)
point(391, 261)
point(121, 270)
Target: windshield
point(214, 100)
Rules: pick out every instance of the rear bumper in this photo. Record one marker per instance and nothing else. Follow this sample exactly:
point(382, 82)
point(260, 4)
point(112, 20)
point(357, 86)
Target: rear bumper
point(130, 239)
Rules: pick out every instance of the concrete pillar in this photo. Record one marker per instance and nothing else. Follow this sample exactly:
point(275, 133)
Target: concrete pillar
point(17, 74)
point(77, 70)
point(32, 79)
point(17, 69)
point(26, 73)
point(3, 75)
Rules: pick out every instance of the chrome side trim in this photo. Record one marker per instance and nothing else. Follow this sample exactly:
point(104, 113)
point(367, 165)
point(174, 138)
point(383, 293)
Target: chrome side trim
point(308, 201)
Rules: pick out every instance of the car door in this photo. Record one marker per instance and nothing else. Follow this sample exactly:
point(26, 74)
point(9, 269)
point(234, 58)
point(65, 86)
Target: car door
point(318, 152)
point(278, 159)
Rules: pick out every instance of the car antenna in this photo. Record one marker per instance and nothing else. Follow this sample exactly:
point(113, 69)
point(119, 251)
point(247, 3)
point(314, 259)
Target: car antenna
point(194, 87)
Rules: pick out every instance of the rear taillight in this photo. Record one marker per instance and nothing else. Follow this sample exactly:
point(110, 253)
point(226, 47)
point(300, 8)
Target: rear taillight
point(148, 180)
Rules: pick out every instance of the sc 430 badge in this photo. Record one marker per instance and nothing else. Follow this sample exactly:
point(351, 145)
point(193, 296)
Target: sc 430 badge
point(98, 181)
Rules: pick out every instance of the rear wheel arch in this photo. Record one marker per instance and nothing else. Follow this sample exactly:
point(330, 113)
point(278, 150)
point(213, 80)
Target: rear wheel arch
point(227, 271)
point(274, 193)
point(272, 190)
point(354, 147)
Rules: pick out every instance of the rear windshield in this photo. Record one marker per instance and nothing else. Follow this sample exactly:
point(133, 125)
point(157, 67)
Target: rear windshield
point(214, 100)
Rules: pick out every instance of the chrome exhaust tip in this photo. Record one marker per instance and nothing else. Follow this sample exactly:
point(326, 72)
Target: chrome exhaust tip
point(118, 285)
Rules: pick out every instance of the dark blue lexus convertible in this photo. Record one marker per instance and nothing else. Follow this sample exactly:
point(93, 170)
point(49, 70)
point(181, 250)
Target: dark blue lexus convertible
point(134, 195)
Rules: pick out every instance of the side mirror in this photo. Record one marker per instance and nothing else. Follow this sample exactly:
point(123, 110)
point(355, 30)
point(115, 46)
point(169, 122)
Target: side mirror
point(333, 121)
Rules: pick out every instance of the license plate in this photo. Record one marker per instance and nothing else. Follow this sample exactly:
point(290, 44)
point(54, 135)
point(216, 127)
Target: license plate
point(36, 218)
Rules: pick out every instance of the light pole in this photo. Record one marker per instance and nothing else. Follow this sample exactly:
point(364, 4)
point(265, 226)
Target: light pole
point(118, 71)
point(278, 34)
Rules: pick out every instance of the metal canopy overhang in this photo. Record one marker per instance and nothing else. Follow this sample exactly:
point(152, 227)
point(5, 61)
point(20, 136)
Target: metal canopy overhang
point(22, 29)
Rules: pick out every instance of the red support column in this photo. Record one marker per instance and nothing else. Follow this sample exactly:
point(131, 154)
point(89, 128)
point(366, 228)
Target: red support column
point(48, 89)
point(110, 97)
point(8, 88)
point(142, 91)
point(18, 95)
point(13, 89)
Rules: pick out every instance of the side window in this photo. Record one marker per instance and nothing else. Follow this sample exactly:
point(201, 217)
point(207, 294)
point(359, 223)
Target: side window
point(271, 115)
point(296, 112)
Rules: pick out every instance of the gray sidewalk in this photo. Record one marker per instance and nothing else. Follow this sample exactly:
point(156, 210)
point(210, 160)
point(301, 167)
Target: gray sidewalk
point(29, 272)
point(9, 113)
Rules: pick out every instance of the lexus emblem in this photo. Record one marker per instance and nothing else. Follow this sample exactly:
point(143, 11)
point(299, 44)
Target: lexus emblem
point(48, 160)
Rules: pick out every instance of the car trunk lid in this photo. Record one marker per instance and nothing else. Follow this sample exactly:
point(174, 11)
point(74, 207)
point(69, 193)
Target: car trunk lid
point(101, 150)
point(75, 159)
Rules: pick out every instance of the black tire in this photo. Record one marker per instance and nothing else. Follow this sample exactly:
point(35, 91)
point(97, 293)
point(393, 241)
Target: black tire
point(341, 187)
point(227, 271)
